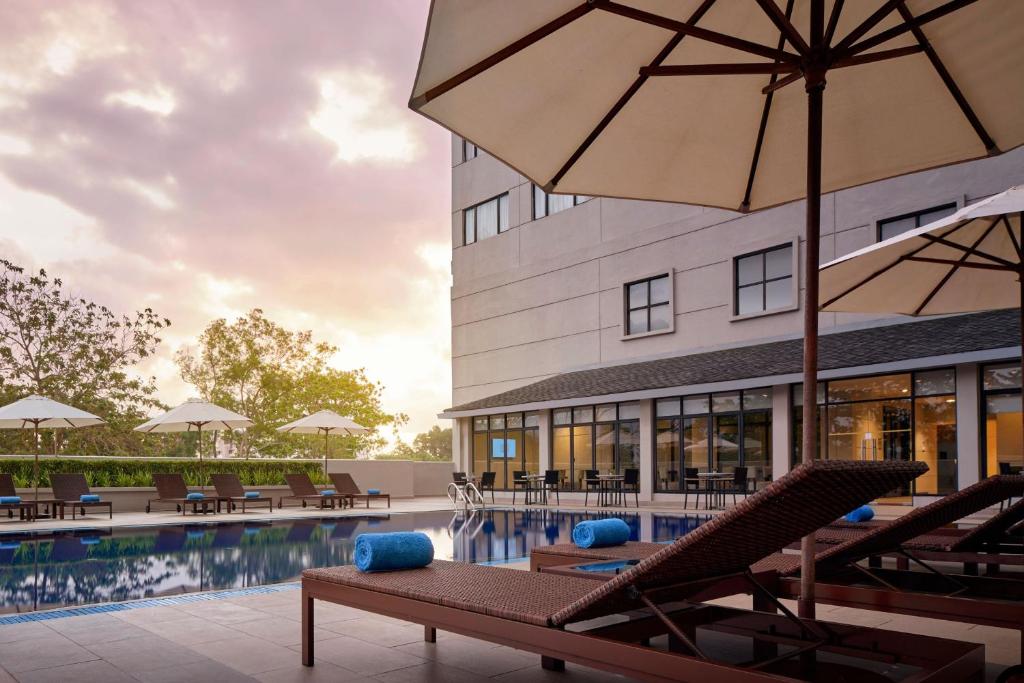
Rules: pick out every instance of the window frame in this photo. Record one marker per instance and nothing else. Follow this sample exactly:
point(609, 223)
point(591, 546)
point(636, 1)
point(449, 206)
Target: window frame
point(467, 145)
point(570, 482)
point(670, 304)
point(503, 433)
point(577, 199)
point(794, 277)
point(916, 215)
point(476, 227)
point(983, 395)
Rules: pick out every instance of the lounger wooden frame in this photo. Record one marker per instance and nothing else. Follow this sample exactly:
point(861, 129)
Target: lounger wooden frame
point(69, 487)
point(230, 492)
point(172, 490)
point(304, 491)
point(344, 483)
point(26, 509)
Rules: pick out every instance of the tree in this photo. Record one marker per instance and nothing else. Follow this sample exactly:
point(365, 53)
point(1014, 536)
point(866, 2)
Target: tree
point(435, 443)
point(76, 352)
point(272, 376)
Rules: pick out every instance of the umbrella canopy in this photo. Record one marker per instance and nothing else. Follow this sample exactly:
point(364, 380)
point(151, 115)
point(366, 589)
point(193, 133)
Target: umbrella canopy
point(195, 415)
point(969, 261)
point(324, 422)
point(44, 413)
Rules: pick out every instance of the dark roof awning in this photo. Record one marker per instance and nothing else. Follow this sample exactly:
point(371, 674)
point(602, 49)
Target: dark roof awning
point(873, 346)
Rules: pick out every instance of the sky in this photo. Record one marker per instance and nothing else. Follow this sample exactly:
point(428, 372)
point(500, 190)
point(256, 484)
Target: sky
point(205, 158)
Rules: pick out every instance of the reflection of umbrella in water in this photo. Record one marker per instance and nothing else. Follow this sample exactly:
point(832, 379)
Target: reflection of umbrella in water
point(343, 529)
point(228, 535)
point(301, 532)
point(169, 540)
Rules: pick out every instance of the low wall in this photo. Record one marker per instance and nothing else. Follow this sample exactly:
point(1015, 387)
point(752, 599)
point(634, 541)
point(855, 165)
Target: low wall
point(400, 478)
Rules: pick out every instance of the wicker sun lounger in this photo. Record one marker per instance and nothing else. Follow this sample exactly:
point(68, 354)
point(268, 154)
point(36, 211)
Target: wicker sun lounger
point(68, 488)
point(231, 492)
point(303, 490)
point(26, 509)
point(172, 490)
point(564, 618)
point(344, 483)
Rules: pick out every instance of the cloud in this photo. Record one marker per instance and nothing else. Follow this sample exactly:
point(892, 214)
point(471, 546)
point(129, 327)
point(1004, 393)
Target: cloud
point(204, 158)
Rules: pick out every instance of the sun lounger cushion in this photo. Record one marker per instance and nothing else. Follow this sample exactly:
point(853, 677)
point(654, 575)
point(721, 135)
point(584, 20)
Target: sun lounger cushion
point(373, 492)
point(328, 492)
point(10, 500)
point(862, 514)
point(195, 495)
point(252, 494)
point(600, 533)
point(399, 550)
point(89, 498)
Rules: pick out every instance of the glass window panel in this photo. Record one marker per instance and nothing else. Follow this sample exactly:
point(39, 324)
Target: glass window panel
point(798, 393)
point(661, 317)
point(469, 216)
point(725, 402)
point(583, 414)
point(606, 412)
point(750, 299)
point(778, 294)
point(628, 447)
point(1004, 448)
point(667, 407)
point(866, 388)
point(778, 263)
point(540, 208)
point(480, 459)
point(935, 214)
point(870, 430)
point(638, 321)
point(935, 382)
point(562, 416)
point(531, 445)
point(667, 454)
point(695, 443)
point(660, 290)
point(497, 421)
point(629, 411)
point(580, 198)
point(696, 405)
point(750, 269)
point(582, 451)
point(757, 446)
point(503, 213)
point(1002, 377)
point(487, 220)
point(891, 228)
point(935, 444)
point(638, 295)
point(561, 455)
point(533, 419)
point(726, 442)
point(559, 202)
point(480, 424)
point(757, 399)
point(514, 420)
point(604, 448)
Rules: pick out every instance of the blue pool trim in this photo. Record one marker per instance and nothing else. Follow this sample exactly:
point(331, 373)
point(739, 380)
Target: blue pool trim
point(148, 602)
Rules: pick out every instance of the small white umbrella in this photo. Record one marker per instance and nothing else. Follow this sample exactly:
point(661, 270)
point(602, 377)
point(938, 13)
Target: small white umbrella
point(324, 422)
point(39, 412)
point(194, 415)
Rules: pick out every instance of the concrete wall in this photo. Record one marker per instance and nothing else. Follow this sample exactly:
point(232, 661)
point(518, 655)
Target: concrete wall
point(400, 478)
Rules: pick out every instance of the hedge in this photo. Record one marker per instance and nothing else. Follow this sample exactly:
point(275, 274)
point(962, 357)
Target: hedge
point(128, 472)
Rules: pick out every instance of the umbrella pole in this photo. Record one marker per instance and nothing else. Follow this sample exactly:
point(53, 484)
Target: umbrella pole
point(35, 465)
point(327, 436)
point(202, 481)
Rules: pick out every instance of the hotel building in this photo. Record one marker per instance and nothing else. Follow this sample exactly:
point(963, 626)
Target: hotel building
point(605, 334)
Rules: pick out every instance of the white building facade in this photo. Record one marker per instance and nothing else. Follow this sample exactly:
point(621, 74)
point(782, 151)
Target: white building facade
point(612, 335)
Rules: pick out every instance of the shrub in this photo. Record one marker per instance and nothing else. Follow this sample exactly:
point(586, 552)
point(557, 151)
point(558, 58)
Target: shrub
point(127, 472)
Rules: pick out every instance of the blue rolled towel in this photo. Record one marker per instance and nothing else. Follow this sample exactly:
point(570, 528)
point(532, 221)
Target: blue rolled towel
point(600, 533)
point(328, 492)
point(194, 495)
point(373, 492)
point(397, 550)
point(10, 500)
point(862, 514)
point(252, 494)
point(88, 498)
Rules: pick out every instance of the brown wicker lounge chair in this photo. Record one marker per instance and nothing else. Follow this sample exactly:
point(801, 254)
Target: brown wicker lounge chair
point(172, 490)
point(344, 483)
point(26, 509)
point(546, 614)
point(68, 488)
point(303, 490)
point(231, 492)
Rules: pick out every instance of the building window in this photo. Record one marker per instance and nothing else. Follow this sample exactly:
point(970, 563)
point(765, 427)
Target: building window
point(648, 305)
point(504, 444)
point(715, 432)
point(486, 219)
point(907, 416)
point(1004, 449)
point(545, 204)
point(890, 227)
point(469, 150)
point(763, 280)
point(605, 438)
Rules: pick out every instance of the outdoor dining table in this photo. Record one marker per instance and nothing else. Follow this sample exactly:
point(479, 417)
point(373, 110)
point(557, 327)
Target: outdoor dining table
point(609, 490)
point(535, 489)
point(713, 484)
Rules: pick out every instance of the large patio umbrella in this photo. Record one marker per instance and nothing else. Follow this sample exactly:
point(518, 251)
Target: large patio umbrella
point(969, 261)
point(195, 415)
point(324, 422)
point(39, 412)
point(695, 101)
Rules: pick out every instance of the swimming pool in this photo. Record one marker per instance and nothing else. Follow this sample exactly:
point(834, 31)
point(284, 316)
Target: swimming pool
point(84, 566)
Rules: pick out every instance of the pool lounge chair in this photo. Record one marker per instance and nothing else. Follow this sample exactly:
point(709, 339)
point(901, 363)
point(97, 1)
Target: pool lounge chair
point(303, 490)
point(231, 492)
point(564, 618)
point(344, 483)
point(69, 488)
point(172, 490)
point(26, 509)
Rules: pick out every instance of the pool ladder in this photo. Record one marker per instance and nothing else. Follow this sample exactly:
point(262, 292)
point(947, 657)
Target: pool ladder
point(465, 496)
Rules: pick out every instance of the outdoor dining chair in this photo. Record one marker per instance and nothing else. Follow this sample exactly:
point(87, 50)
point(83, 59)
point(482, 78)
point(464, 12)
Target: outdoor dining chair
point(552, 482)
point(520, 483)
point(631, 484)
point(486, 483)
point(590, 483)
point(738, 485)
point(693, 484)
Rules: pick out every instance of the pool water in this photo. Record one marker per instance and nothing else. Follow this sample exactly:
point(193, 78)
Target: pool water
point(83, 566)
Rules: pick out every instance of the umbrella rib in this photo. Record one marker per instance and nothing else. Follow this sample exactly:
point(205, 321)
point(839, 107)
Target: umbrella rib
point(947, 80)
point(727, 69)
point(785, 26)
point(857, 60)
point(833, 22)
point(864, 26)
point(952, 270)
point(970, 251)
point(782, 83)
point(884, 36)
point(698, 33)
point(1013, 237)
point(626, 97)
point(763, 126)
point(503, 54)
point(965, 264)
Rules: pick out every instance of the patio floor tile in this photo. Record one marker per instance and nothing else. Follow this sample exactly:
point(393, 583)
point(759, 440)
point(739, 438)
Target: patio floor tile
point(145, 654)
point(480, 658)
point(42, 653)
point(98, 628)
point(321, 672)
point(190, 630)
point(96, 671)
point(429, 672)
point(203, 670)
point(247, 654)
point(362, 657)
point(378, 632)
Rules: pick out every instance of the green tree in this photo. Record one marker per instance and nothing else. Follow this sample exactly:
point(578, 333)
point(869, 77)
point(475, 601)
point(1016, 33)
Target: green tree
point(77, 352)
point(436, 443)
point(272, 376)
